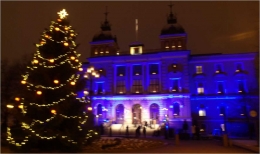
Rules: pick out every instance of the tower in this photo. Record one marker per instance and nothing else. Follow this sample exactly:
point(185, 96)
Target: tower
point(173, 36)
point(104, 43)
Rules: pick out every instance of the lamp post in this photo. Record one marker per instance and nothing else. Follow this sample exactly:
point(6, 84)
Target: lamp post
point(90, 74)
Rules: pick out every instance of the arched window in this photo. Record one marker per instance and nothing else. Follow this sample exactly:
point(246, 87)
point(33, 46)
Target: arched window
point(202, 111)
point(154, 111)
point(99, 109)
point(120, 114)
point(176, 109)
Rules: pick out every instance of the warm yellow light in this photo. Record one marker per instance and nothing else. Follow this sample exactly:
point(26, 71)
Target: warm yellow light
point(66, 28)
point(17, 99)
point(217, 71)
point(59, 20)
point(72, 57)
point(20, 106)
point(85, 76)
point(46, 36)
point(76, 60)
point(72, 83)
point(97, 75)
point(43, 42)
point(56, 81)
point(90, 108)
point(35, 61)
point(80, 69)
point(153, 73)
point(23, 82)
point(53, 111)
point(85, 92)
point(63, 14)
point(71, 34)
point(57, 28)
point(66, 44)
point(9, 106)
point(38, 92)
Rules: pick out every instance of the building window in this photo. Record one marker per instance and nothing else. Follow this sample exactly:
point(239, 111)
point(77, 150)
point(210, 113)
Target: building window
point(154, 111)
point(107, 50)
point(179, 44)
point(202, 111)
point(166, 45)
point(154, 85)
point(101, 51)
point(99, 110)
point(154, 68)
point(173, 45)
point(200, 88)
point(219, 68)
point(175, 85)
point(120, 70)
point(100, 88)
point(241, 86)
point(176, 109)
point(120, 114)
point(243, 111)
point(120, 87)
point(198, 69)
point(137, 70)
point(137, 86)
point(222, 111)
point(239, 67)
point(220, 87)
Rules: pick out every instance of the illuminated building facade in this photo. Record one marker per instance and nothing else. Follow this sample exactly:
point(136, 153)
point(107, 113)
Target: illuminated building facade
point(169, 85)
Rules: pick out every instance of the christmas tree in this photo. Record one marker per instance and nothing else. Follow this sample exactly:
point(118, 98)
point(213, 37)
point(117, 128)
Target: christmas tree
point(51, 116)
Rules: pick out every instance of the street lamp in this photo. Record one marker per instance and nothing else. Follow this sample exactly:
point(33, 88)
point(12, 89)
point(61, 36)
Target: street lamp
point(90, 74)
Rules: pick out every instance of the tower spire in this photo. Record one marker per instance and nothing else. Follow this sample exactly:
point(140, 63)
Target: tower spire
point(106, 26)
point(171, 18)
point(106, 13)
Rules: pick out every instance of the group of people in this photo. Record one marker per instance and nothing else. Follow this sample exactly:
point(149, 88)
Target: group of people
point(138, 131)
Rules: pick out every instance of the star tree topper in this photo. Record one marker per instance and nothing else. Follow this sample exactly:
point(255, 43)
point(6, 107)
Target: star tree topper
point(63, 14)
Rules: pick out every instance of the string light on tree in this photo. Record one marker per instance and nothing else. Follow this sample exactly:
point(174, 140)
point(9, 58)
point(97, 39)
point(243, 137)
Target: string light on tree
point(56, 81)
point(56, 57)
point(53, 111)
point(66, 44)
point(17, 99)
point(38, 92)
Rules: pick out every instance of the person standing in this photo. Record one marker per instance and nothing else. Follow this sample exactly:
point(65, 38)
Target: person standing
point(193, 131)
point(144, 132)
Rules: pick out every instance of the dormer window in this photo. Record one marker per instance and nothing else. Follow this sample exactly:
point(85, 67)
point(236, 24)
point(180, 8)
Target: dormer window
point(136, 50)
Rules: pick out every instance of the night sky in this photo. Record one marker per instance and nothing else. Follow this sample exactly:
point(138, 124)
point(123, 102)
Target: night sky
point(226, 27)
